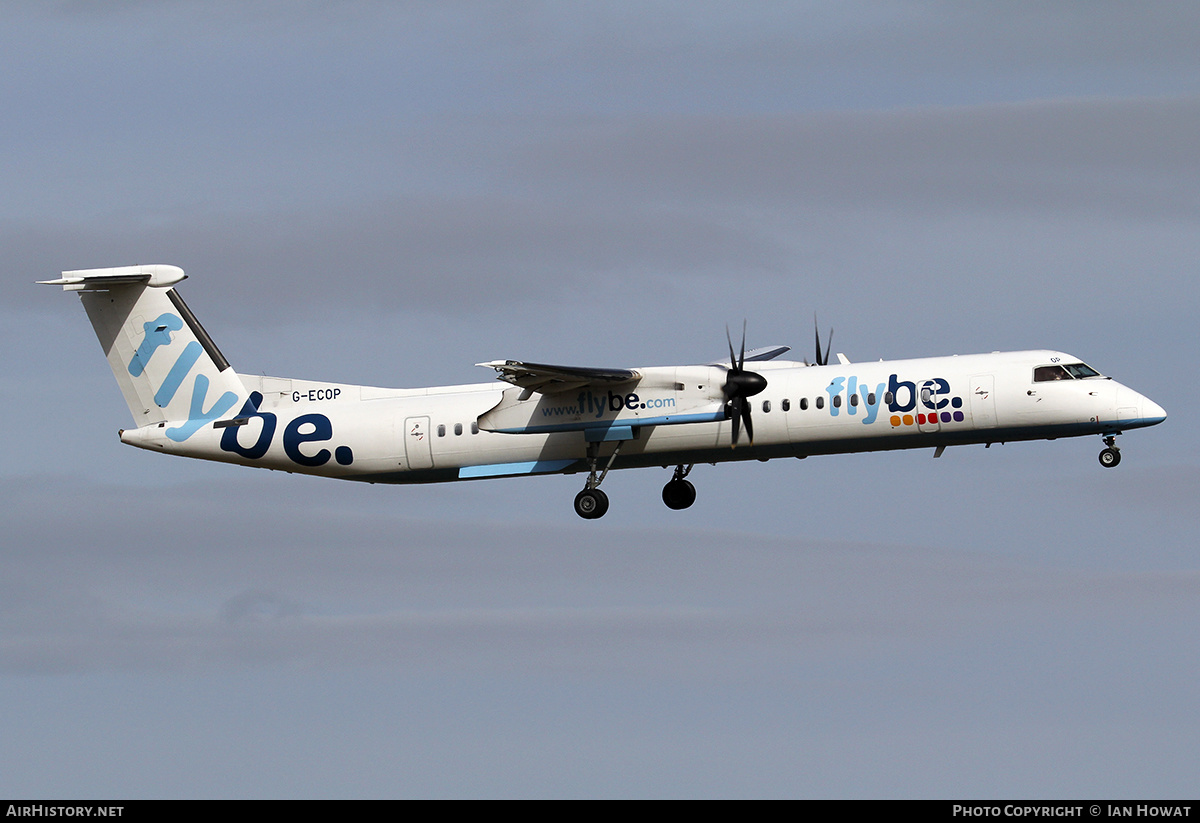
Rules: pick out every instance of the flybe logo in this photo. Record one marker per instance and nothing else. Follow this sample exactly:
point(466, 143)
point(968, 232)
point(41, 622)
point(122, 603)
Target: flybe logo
point(306, 428)
point(908, 404)
point(157, 335)
point(301, 430)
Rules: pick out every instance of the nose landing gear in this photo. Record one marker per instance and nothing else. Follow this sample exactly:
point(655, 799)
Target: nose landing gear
point(1111, 456)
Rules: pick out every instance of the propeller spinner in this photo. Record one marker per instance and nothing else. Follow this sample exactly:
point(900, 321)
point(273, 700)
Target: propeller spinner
point(740, 386)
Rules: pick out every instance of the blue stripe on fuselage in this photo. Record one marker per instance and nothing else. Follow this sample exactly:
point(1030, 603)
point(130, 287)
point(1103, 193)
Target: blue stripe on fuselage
point(504, 469)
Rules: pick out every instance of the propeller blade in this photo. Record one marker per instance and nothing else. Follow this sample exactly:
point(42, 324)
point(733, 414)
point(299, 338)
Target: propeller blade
point(742, 357)
point(822, 359)
point(740, 385)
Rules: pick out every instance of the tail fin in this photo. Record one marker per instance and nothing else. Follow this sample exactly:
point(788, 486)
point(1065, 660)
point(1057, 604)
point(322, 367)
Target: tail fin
point(169, 369)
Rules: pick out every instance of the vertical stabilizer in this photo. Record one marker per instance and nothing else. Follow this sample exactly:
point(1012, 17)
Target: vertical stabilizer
point(167, 366)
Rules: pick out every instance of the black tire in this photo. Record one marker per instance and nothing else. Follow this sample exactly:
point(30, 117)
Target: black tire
point(679, 494)
point(591, 504)
point(1109, 458)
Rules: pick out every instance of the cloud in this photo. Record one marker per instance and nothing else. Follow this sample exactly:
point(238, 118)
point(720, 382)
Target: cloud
point(1127, 158)
point(278, 580)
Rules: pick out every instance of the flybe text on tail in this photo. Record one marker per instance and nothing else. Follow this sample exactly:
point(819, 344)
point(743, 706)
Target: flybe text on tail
point(156, 335)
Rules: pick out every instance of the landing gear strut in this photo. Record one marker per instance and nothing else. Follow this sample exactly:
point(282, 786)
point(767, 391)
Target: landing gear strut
point(1111, 456)
point(592, 503)
point(679, 493)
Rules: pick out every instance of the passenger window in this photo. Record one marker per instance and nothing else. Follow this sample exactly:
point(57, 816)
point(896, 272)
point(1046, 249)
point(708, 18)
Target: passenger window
point(474, 428)
point(871, 399)
point(457, 429)
point(889, 398)
point(441, 430)
point(803, 404)
point(854, 400)
point(766, 406)
point(785, 404)
point(837, 401)
point(820, 402)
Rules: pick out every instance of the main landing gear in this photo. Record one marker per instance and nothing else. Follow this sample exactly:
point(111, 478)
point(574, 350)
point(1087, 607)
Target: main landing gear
point(679, 493)
point(591, 503)
point(1111, 456)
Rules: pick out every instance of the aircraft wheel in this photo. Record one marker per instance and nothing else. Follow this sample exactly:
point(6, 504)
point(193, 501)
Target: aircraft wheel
point(1109, 458)
point(679, 494)
point(591, 504)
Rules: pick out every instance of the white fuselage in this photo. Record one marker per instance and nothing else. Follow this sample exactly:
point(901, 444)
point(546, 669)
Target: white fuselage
point(668, 416)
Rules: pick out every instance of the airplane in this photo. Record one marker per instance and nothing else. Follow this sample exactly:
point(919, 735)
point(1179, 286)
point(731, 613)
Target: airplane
point(539, 418)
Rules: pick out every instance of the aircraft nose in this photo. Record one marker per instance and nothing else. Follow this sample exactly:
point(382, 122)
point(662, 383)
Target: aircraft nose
point(1152, 413)
point(1134, 410)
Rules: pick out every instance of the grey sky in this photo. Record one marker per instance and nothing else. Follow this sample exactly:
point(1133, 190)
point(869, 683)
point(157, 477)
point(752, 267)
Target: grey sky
point(388, 193)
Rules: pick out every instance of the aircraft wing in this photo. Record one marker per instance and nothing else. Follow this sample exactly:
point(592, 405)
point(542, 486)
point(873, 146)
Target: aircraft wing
point(548, 379)
point(757, 355)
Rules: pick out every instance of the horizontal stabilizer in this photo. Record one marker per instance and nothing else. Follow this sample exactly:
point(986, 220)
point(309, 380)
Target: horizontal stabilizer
point(103, 279)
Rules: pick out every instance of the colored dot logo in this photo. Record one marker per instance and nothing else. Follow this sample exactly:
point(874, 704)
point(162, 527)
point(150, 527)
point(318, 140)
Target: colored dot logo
point(932, 418)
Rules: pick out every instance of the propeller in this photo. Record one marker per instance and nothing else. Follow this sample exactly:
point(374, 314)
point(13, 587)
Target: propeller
point(740, 386)
point(822, 359)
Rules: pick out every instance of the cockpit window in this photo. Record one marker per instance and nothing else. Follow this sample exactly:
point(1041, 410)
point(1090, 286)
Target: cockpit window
point(1044, 374)
point(1081, 370)
point(1071, 371)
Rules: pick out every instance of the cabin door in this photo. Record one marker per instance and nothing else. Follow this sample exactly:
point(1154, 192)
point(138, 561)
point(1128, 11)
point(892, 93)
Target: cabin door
point(417, 443)
point(927, 403)
point(983, 401)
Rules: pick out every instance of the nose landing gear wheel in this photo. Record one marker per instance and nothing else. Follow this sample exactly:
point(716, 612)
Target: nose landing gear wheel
point(679, 494)
point(591, 504)
point(1111, 456)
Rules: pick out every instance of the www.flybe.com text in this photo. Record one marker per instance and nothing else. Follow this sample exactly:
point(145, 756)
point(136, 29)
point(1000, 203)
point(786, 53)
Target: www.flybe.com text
point(597, 404)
